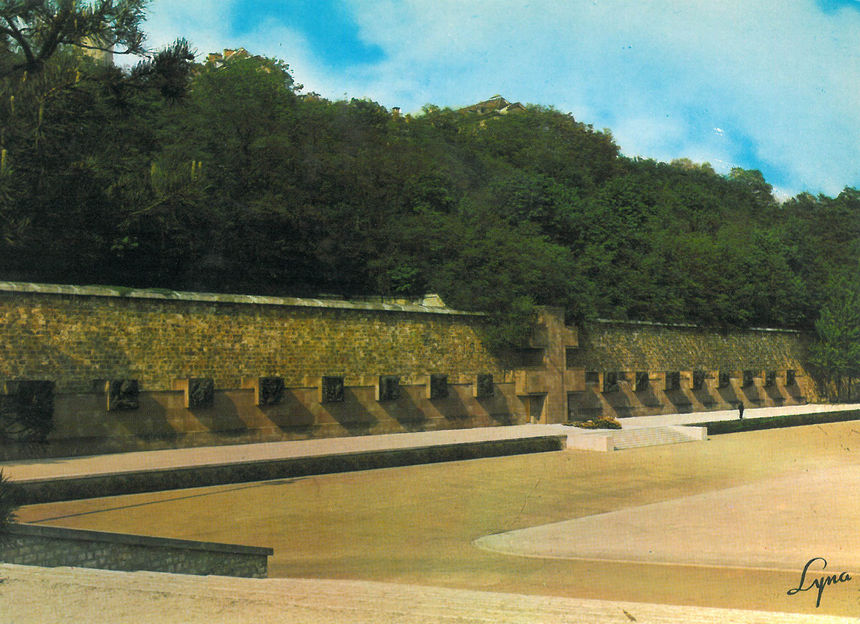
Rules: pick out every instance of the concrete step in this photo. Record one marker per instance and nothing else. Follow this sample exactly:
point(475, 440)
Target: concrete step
point(634, 437)
point(651, 436)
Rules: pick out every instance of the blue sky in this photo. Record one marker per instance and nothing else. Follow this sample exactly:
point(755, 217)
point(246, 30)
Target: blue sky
point(770, 84)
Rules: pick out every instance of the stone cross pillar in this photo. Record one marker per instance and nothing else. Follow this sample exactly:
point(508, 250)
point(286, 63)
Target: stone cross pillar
point(544, 389)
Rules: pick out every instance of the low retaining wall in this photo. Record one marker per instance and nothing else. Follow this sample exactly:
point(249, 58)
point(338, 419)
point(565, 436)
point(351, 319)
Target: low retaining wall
point(778, 422)
point(47, 546)
point(49, 490)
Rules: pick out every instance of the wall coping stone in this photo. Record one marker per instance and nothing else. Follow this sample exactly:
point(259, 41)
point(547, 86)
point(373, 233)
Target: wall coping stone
point(52, 532)
point(692, 326)
point(430, 304)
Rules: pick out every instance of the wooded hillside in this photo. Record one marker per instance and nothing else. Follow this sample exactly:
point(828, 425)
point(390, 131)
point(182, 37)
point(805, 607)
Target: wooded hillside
point(223, 177)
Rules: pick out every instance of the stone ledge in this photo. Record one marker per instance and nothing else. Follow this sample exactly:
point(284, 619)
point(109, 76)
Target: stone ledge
point(429, 305)
point(52, 532)
point(72, 487)
point(603, 321)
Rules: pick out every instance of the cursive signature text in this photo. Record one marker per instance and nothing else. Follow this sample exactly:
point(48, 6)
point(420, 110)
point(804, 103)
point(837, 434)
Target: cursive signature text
point(821, 582)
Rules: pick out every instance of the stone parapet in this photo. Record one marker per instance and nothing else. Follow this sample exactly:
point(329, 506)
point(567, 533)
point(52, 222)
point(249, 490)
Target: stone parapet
point(48, 546)
point(429, 304)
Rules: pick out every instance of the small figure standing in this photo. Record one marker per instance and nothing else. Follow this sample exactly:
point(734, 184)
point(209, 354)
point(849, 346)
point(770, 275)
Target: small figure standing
point(740, 410)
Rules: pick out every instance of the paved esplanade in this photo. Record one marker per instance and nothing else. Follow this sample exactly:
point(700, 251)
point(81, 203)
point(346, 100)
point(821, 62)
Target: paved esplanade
point(53, 468)
point(388, 539)
point(60, 595)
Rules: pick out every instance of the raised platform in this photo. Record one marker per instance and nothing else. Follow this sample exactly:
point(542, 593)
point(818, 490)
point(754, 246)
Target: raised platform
point(619, 439)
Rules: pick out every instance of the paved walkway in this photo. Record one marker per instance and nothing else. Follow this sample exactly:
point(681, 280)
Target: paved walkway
point(53, 468)
point(62, 595)
point(691, 418)
point(740, 527)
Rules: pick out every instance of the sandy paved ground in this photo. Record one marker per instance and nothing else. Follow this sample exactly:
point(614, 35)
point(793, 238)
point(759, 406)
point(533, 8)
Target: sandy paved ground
point(30, 595)
point(416, 525)
point(740, 526)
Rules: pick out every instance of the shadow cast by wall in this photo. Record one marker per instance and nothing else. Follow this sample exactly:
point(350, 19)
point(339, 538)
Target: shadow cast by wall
point(404, 410)
point(728, 395)
point(584, 405)
point(619, 402)
point(221, 417)
point(292, 413)
point(752, 394)
point(679, 400)
point(705, 397)
point(353, 413)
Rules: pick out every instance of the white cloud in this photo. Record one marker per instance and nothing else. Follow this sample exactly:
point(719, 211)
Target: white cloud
point(203, 22)
point(779, 78)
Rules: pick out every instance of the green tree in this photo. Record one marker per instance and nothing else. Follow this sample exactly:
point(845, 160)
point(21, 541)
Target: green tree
point(10, 497)
point(836, 353)
point(32, 31)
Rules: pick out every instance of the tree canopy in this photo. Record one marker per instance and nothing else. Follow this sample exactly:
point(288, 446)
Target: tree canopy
point(226, 177)
point(32, 31)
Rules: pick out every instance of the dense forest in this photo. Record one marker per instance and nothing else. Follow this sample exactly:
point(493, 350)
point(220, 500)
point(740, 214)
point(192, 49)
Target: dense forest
point(224, 176)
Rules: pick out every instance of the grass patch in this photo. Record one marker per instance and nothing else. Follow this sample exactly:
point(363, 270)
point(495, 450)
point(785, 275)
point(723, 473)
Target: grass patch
point(10, 500)
point(776, 422)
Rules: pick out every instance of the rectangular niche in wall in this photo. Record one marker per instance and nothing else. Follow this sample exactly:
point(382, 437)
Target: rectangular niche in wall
point(724, 379)
point(673, 381)
point(388, 388)
point(641, 382)
point(484, 387)
point(122, 394)
point(610, 381)
point(769, 379)
point(438, 386)
point(28, 410)
point(698, 379)
point(331, 389)
point(529, 358)
point(789, 378)
point(747, 378)
point(199, 392)
point(271, 390)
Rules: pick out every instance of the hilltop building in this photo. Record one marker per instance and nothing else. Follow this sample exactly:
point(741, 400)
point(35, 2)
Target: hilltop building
point(218, 59)
point(496, 105)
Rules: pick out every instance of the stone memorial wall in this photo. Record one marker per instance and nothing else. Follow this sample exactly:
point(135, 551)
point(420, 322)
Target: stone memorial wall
point(656, 368)
point(119, 369)
point(153, 369)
